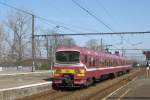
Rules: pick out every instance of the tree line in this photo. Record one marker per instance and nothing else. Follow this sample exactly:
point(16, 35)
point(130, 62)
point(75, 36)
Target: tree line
point(16, 43)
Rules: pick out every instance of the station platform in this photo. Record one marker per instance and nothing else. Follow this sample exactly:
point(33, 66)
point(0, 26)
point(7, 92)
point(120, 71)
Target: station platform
point(137, 89)
point(15, 72)
point(19, 78)
point(16, 84)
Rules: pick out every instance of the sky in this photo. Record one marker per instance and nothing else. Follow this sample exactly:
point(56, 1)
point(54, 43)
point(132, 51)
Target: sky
point(120, 15)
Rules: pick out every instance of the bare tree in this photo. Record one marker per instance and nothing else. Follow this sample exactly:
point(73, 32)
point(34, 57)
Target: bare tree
point(94, 44)
point(18, 25)
point(2, 45)
point(67, 41)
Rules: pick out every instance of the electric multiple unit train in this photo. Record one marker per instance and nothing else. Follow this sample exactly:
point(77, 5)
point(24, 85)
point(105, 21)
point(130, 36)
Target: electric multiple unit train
point(80, 67)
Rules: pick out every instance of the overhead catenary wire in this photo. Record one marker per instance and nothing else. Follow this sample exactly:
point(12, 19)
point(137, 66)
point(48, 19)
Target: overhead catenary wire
point(98, 19)
point(39, 17)
point(77, 34)
point(94, 16)
point(109, 15)
point(50, 21)
point(147, 32)
point(131, 49)
point(64, 24)
point(60, 26)
point(47, 21)
point(69, 29)
point(107, 12)
point(26, 12)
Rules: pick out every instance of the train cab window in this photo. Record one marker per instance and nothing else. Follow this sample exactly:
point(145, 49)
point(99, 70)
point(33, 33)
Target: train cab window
point(67, 57)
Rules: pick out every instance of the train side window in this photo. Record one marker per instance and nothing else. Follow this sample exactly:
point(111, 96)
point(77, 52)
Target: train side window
point(85, 58)
point(100, 62)
point(114, 62)
point(97, 60)
point(90, 63)
point(94, 62)
point(110, 63)
point(105, 63)
point(118, 62)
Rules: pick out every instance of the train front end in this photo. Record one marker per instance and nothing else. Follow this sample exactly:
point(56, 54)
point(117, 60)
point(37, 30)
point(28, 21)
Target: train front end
point(69, 71)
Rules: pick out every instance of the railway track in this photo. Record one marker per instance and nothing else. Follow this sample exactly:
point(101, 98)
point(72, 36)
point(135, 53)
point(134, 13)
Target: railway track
point(96, 92)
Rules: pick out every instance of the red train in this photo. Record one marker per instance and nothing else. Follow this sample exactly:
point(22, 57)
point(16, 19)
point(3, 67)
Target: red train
point(80, 67)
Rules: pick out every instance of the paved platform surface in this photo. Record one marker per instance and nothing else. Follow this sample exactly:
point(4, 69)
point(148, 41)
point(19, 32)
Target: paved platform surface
point(22, 71)
point(138, 89)
point(11, 79)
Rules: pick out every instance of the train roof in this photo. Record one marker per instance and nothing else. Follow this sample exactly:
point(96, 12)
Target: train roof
point(85, 50)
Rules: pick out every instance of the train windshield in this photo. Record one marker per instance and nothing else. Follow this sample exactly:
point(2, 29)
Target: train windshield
point(67, 57)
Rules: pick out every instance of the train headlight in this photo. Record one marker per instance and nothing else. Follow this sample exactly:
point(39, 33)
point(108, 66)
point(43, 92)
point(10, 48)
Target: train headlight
point(57, 72)
point(81, 72)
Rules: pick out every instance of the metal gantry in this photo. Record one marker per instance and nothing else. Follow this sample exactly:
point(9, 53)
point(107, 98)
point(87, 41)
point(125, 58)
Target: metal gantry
point(101, 33)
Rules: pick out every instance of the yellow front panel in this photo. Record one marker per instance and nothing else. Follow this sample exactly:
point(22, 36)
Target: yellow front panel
point(82, 71)
point(80, 74)
point(68, 71)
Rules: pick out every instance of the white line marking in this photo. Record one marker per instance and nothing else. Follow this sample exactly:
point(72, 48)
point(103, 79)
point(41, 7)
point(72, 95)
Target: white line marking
point(119, 89)
point(25, 86)
point(124, 94)
point(105, 68)
point(24, 73)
